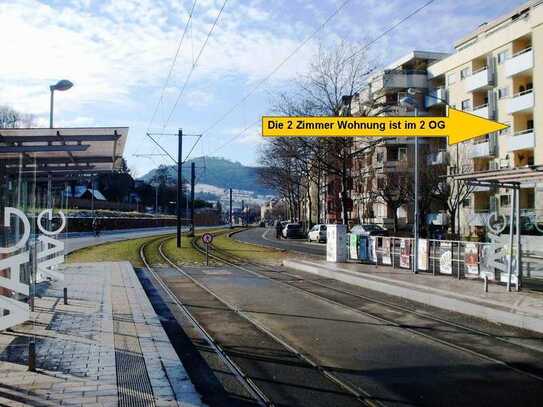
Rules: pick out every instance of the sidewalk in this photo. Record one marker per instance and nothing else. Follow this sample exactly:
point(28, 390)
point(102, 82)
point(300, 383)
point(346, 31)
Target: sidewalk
point(520, 309)
point(106, 347)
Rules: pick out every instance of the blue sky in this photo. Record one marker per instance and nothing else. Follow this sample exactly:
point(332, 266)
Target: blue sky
point(118, 54)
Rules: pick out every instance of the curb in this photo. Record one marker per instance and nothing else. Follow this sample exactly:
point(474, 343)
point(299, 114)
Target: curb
point(262, 246)
point(506, 316)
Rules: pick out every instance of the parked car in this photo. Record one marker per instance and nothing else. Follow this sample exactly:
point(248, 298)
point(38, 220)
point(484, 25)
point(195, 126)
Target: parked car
point(262, 224)
point(369, 230)
point(293, 231)
point(317, 234)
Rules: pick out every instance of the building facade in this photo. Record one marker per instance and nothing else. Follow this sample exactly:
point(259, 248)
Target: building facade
point(496, 72)
point(382, 170)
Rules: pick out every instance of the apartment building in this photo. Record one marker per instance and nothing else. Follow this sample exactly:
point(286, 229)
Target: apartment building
point(496, 72)
point(386, 166)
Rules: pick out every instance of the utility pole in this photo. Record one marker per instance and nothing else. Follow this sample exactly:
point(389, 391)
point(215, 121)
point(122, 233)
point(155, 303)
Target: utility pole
point(230, 207)
point(192, 178)
point(179, 184)
point(242, 212)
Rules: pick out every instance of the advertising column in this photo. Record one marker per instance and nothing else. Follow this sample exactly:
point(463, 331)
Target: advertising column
point(336, 243)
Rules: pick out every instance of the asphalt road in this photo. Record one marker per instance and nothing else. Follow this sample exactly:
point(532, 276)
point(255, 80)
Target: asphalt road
point(266, 237)
point(393, 365)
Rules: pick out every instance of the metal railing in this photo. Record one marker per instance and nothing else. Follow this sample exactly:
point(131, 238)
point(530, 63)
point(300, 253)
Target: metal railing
point(458, 259)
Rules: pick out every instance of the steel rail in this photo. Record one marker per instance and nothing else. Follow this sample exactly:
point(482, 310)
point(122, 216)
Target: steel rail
point(362, 395)
point(245, 381)
point(383, 319)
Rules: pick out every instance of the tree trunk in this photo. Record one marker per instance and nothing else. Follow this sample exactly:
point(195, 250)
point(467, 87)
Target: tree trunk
point(395, 217)
point(344, 198)
point(319, 196)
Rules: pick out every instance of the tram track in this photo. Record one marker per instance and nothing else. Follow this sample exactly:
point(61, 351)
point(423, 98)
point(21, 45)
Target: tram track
point(424, 320)
point(254, 390)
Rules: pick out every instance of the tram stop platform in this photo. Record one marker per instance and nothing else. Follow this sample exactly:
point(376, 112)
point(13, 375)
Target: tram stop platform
point(523, 309)
point(105, 347)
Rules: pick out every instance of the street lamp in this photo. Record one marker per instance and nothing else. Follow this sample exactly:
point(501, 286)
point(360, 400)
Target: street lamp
point(410, 101)
point(61, 85)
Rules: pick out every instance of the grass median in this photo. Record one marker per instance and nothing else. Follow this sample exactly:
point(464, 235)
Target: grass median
point(128, 250)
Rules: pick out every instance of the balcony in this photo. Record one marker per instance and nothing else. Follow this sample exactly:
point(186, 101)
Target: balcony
point(482, 111)
point(401, 79)
point(478, 80)
point(520, 62)
point(482, 149)
point(439, 158)
point(521, 102)
point(436, 97)
point(521, 140)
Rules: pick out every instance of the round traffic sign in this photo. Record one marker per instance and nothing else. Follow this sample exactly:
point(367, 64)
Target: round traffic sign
point(207, 238)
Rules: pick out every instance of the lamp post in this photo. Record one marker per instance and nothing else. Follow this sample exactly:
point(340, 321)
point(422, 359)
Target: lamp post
point(61, 85)
point(410, 101)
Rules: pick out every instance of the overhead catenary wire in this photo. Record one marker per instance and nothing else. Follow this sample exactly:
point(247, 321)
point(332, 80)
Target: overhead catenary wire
point(194, 64)
point(365, 47)
point(172, 66)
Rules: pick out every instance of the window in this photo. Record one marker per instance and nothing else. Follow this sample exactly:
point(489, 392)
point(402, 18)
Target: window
point(505, 200)
point(464, 73)
point(502, 57)
point(402, 154)
point(503, 92)
point(451, 79)
point(380, 157)
point(466, 104)
point(466, 202)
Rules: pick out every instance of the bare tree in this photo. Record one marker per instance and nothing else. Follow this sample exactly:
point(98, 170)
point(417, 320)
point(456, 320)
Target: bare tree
point(12, 119)
point(395, 190)
point(335, 72)
point(452, 193)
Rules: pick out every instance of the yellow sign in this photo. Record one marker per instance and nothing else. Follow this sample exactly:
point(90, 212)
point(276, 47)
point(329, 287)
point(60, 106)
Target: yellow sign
point(458, 126)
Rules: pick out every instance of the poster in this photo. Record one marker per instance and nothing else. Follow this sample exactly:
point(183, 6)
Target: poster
point(423, 254)
point(386, 259)
point(471, 259)
point(405, 253)
point(445, 258)
point(372, 243)
point(353, 247)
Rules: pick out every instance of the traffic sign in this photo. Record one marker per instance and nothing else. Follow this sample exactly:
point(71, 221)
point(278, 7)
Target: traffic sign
point(207, 238)
point(458, 126)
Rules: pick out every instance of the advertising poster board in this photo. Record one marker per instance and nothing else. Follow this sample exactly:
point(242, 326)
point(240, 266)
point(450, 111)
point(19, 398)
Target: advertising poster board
point(405, 253)
point(387, 258)
point(372, 246)
point(353, 247)
point(445, 258)
point(471, 259)
point(423, 254)
point(363, 248)
point(487, 261)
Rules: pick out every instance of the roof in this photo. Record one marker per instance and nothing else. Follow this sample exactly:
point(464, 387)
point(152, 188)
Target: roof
point(496, 22)
point(430, 55)
point(504, 177)
point(62, 152)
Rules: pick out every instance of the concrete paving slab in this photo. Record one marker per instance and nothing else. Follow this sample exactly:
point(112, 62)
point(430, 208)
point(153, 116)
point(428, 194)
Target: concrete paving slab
point(90, 351)
point(520, 309)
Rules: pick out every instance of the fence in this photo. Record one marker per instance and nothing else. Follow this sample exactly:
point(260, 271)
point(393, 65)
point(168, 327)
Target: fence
point(458, 259)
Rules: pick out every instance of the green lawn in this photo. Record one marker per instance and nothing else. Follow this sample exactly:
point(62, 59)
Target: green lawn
point(114, 251)
point(129, 250)
point(249, 252)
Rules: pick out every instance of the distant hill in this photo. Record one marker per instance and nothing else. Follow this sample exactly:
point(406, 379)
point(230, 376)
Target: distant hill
point(218, 172)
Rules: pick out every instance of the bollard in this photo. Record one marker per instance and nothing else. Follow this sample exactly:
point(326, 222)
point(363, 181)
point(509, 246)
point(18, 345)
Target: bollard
point(31, 357)
point(486, 284)
point(65, 296)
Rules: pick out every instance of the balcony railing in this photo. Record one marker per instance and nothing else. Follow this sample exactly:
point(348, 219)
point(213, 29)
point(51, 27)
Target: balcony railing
point(521, 140)
point(521, 102)
point(478, 79)
point(482, 111)
point(438, 158)
point(520, 62)
point(436, 97)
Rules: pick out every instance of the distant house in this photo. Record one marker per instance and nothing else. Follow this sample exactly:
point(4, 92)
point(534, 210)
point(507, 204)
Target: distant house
point(82, 192)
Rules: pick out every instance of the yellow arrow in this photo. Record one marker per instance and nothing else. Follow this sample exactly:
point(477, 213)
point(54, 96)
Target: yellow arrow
point(458, 126)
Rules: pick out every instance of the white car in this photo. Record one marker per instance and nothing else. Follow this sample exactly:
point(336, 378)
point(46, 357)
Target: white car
point(317, 234)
